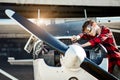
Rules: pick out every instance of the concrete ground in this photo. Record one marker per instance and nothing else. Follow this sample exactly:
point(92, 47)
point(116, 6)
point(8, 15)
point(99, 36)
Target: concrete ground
point(19, 72)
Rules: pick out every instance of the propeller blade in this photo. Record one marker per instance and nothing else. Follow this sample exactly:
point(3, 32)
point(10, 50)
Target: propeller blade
point(88, 65)
point(96, 71)
point(37, 31)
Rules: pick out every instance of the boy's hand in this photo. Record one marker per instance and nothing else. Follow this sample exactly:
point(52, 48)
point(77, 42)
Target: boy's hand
point(74, 38)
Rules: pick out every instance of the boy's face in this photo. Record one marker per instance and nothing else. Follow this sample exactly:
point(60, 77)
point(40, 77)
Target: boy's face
point(87, 31)
point(92, 31)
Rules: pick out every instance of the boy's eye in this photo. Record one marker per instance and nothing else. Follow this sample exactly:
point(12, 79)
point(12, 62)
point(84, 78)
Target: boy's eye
point(87, 31)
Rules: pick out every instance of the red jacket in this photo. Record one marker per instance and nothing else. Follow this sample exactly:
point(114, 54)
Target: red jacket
point(107, 40)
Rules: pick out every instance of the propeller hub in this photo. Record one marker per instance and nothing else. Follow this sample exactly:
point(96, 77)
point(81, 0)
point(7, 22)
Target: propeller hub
point(74, 56)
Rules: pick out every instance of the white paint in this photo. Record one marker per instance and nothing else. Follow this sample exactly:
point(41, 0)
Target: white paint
point(9, 12)
point(67, 2)
point(74, 56)
point(44, 72)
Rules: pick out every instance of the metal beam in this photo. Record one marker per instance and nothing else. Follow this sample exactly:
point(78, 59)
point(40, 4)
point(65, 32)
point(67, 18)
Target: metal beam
point(67, 2)
point(59, 11)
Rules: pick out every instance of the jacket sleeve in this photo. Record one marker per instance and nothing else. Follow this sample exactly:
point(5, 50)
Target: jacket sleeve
point(84, 36)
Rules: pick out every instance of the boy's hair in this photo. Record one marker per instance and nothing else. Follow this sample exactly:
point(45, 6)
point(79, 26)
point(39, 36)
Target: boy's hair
point(87, 23)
